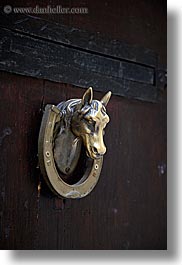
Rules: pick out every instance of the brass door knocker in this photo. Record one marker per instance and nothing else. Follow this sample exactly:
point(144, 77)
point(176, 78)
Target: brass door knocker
point(71, 143)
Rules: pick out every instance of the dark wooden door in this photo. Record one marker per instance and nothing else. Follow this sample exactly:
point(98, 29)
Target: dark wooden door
point(127, 208)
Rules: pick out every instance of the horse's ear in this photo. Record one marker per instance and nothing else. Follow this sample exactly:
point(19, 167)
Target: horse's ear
point(87, 97)
point(106, 98)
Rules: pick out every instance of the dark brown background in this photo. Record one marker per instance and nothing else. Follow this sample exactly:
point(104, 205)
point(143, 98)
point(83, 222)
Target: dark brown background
point(127, 209)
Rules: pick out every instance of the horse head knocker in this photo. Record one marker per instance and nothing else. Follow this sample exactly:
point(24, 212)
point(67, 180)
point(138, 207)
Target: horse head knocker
point(71, 143)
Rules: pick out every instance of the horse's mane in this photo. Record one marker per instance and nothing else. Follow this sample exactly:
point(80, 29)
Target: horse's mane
point(68, 107)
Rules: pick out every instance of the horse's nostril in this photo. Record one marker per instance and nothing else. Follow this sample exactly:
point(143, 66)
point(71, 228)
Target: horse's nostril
point(95, 150)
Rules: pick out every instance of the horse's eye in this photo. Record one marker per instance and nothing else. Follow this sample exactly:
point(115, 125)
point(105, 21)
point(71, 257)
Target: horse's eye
point(91, 124)
point(90, 121)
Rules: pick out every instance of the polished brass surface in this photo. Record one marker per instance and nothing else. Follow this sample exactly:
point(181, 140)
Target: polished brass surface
point(65, 129)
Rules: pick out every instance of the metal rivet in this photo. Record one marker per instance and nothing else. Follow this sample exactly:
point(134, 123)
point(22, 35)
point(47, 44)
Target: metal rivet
point(47, 154)
point(96, 166)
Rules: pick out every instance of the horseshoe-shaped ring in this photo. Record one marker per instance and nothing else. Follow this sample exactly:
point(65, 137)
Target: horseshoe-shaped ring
point(47, 164)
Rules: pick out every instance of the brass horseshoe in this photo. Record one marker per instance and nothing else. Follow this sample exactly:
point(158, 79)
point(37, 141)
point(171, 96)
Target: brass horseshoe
point(65, 129)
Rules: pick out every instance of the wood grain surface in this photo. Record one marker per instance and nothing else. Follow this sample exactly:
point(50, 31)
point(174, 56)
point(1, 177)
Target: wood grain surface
point(126, 210)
